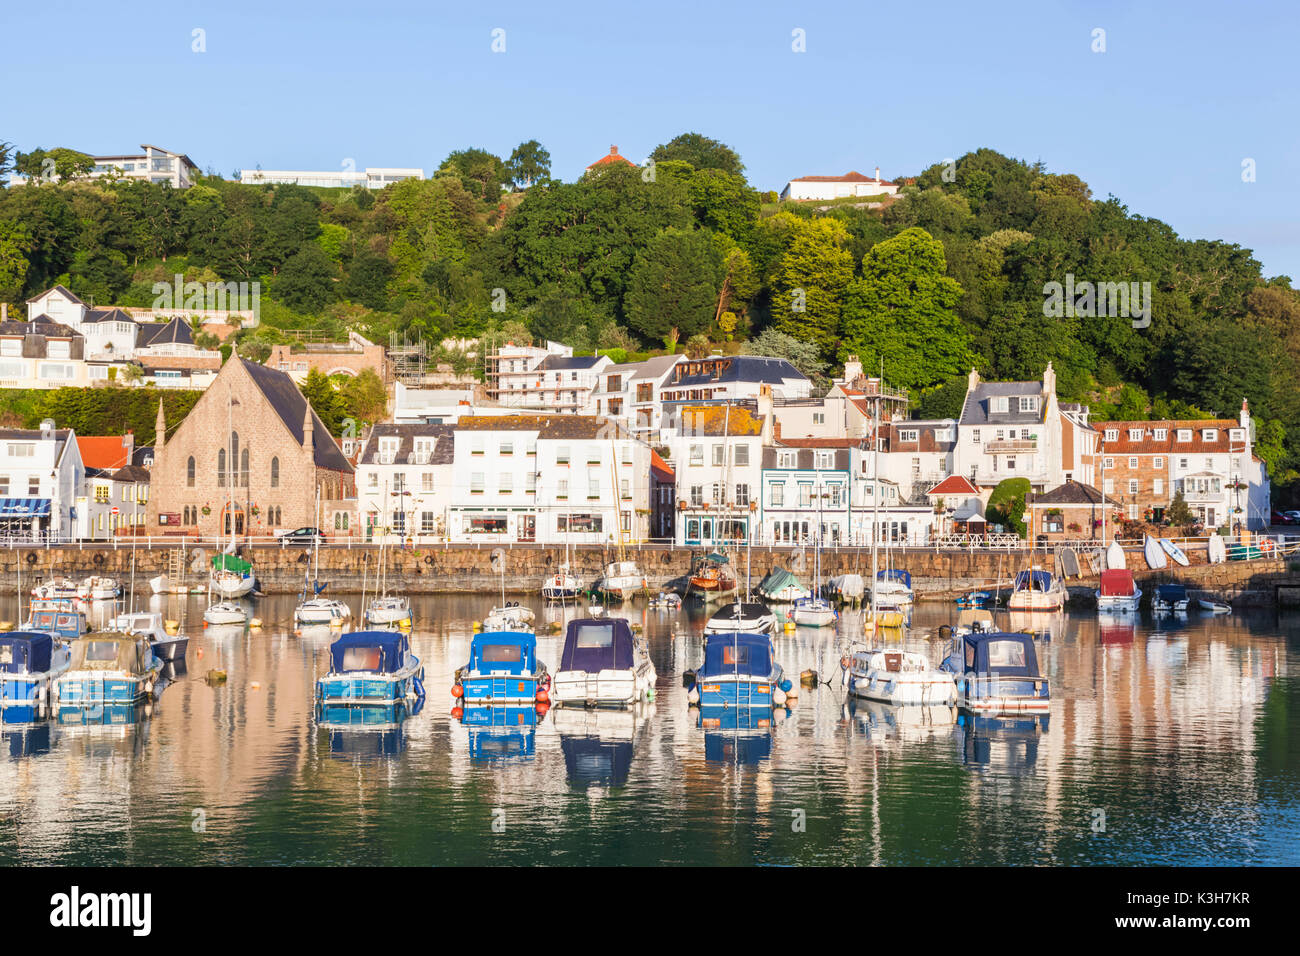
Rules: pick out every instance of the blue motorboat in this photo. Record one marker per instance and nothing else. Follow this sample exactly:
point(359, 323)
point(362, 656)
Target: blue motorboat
point(997, 674)
point(29, 663)
point(372, 667)
point(974, 599)
point(498, 734)
point(503, 669)
point(739, 670)
point(1169, 597)
point(108, 668)
point(60, 617)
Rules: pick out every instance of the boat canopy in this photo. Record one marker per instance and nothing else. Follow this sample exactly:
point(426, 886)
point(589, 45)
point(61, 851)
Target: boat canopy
point(717, 558)
point(778, 580)
point(848, 585)
point(597, 644)
point(1172, 592)
point(1036, 580)
point(25, 652)
point(112, 651)
point(895, 574)
point(1002, 654)
point(64, 622)
point(382, 652)
point(1117, 583)
point(735, 652)
point(231, 562)
point(747, 612)
point(503, 652)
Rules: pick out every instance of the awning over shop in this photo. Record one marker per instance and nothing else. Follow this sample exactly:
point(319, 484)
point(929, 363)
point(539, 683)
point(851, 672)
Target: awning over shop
point(24, 507)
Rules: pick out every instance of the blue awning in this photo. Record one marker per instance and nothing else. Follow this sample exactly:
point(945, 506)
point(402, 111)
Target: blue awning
point(24, 507)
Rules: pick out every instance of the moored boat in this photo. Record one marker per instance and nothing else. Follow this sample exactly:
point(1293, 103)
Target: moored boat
point(899, 678)
point(321, 610)
point(893, 586)
point(1118, 592)
point(741, 616)
point(1169, 597)
point(510, 617)
point(371, 667)
point(739, 670)
point(96, 588)
point(57, 589)
point(232, 576)
point(997, 673)
point(560, 585)
point(392, 611)
point(782, 587)
point(149, 624)
point(1036, 590)
point(108, 667)
point(225, 612)
point(602, 663)
point(502, 669)
point(813, 612)
point(622, 579)
point(713, 579)
point(30, 661)
point(59, 617)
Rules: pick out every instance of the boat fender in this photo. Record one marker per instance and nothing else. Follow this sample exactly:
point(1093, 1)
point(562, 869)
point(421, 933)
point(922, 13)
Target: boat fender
point(457, 690)
point(418, 684)
point(778, 697)
point(693, 695)
point(458, 712)
point(785, 685)
point(846, 662)
point(542, 697)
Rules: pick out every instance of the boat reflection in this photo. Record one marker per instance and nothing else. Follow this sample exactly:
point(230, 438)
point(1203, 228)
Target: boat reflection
point(25, 738)
point(598, 743)
point(372, 731)
point(1116, 629)
point(886, 722)
point(1000, 743)
point(501, 734)
point(737, 735)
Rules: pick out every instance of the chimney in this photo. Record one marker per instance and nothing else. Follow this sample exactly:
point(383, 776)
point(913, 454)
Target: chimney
point(765, 411)
point(877, 174)
point(852, 370)
point(4, 311)
point(1049, 380)
point(1244, 417)
point(972, 379)
point(613, 151)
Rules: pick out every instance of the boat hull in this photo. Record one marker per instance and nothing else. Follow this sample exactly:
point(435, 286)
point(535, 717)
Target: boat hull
point(92, 688)
point(1036, 600)
point(990, 694)
point(172, 649)
point(739, 691)
point(813, 617)
point(1118, 604)
point(606, 687)
point(933, 690)
point(507, 689)
point(232, 587)
point(363, 688)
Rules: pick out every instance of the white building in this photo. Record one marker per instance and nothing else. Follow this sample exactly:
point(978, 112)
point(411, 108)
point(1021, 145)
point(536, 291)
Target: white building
point(435, 406)
point(632, 393)
point(717, 456)
point(838, 187)
point(550, 479)
point(806, 491)
point(405, 480)
point(41, 477)
point(372, 177)
point(154, 165)
point(727, 379)
point(880, 509)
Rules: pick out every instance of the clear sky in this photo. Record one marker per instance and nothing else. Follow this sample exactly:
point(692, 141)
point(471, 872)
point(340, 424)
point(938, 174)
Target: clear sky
point(1163, 119)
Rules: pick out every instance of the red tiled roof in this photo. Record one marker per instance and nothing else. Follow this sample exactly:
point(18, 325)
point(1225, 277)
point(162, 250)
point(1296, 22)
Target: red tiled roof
point(1148, 445)
point(954, 485)
point(107, 451)
point(853, 176)
point(612, 157)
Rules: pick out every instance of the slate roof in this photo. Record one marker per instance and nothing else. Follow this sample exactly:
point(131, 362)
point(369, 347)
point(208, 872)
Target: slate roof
point(62, 290)
point(41, 325)
point(131, 473)
point(106, 315)
point(546, 426)
point(289, 404)
point(734, 368)
point(977, 409)
point(565, 363)
point(444, 447)
point(1071, 493)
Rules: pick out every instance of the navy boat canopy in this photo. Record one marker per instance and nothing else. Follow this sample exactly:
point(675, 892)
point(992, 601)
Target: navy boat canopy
point(1006, 655)
point(895, 574)
point(25, 652)
point(383, 652)
point(1033, 581)
point(1177, 592)
point(736, 653)
point(596, 644)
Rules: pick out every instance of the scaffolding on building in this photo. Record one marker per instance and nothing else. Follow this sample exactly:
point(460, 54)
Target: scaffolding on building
point(408, 360)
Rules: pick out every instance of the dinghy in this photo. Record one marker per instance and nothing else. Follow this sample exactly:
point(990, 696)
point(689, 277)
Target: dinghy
point(1115, 557)
point(1218, 550)
point(1174, 552)
point(1155, 555)
point(1214, 607)
point(1069, 563)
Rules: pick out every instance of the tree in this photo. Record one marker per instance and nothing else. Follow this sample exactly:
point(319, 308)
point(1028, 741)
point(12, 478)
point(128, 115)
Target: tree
point(325, 400)
point(480, 172)
point(60, 162)
point(529, 163)
point(698, 346)
point(902, 311)
point(809, 278)
point(1007, 504)
point(1179, 513)
point(7, 152)
point(674, 284)
point(13, 261)
point(701, 152)
point(306, 281)
point(364, 396)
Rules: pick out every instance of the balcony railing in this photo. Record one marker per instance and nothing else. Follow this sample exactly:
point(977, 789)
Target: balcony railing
point(1010, 446)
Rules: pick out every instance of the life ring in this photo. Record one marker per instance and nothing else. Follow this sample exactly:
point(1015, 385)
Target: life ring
point(31, 557)
point(1266, 545)
point(428, 559)
point(97, 560)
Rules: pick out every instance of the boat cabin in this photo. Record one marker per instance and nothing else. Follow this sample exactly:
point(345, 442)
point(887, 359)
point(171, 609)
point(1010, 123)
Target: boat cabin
point(109, 651)
point(503, 653)
point(998, 674)
point(1035, 580)
point(736, 654)
point(596, 644)
point(26, 652)
point(56, 616)
point(374, 652)
point(1117, 583)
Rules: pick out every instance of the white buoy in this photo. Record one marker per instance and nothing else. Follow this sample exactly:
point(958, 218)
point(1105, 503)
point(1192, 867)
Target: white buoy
point(693, 695)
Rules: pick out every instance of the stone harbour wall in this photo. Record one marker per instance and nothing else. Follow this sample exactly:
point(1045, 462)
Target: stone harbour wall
point(936, 575)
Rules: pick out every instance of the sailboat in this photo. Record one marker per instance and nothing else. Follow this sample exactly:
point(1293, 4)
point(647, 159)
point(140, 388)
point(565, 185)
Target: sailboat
point(316, 609)
point(622, 578)
point(387, 610)
point(815, 610)
point(888, 608)
point(231, 575)
point(562, 584)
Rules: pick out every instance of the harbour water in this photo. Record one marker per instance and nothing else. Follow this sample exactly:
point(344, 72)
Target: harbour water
point(1169, 742)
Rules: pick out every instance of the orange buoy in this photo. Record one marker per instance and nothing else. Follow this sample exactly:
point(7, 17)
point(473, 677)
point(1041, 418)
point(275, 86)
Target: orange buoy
point(542, 709)
point(543, 697)
point(457, 690)
point(458, 712)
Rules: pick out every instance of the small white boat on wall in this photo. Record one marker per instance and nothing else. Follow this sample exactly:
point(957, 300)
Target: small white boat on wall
point(1154, 553)
point(1174, 552)
point(1115, 557)
point(621, 581)
point(98, 589)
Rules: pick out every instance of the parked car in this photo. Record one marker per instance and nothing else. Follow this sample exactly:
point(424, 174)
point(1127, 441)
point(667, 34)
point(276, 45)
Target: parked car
point(1293, 515)
point(302, 536)
point(1281, 517)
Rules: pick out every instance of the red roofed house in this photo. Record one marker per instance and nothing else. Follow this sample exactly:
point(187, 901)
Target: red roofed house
point(959, 500)
point(663, 497)
point(612, 159)
point(837, 187)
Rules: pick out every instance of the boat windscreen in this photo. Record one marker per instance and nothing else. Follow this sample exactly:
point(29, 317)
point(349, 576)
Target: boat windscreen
point(101, 651)
point(502, 653)
point(362, 658)
point(1006, 654)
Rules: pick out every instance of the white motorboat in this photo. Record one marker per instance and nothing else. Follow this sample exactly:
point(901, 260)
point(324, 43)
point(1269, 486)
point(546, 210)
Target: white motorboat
point(98, 589)
point(320, 610)
point(1118, 592)
point(603, 663)
point(166, 647)
point(225, 612)
point(1169, 597)
point(389, 611)
point(561, 585)
point(622, 580)
point(900, 678)
point(56, 588)
point(738, 616)
point(813, 612)
point(510, 617)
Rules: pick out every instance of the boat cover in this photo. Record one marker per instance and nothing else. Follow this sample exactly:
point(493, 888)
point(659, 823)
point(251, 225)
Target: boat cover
point(596, 644)
point(748, 612)
point(1006, 655)
point(503, 652)
point(1171, 592)
point(112, 651)
point(1033, 581)
point(230, 562)
point(895, 574)
point(779, 580)
point(1117, 583)
point(747, 654)
point(25, 652)
point(383, 652)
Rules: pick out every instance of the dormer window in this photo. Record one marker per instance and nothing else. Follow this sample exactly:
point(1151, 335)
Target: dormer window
point(1112, 434)
point(998, 404)
point(1161, 434)
point(1237, 434)
point(910, 434)
point(1209, 434)
point(1184, 434)
point(1028, 403)
point(1135, 434)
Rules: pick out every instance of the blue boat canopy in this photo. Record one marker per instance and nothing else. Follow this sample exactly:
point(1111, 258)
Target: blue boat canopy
point(895, 574)
point(596, 644)
point(508, 652)
point(381, 652)
point(1172, 592)
point(1001, 654)
point(24, 507)
point(25, 652)
point(1033, 581)
point(736, 653)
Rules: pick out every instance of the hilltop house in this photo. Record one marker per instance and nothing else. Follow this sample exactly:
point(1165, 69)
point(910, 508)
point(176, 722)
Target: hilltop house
point(852, 183)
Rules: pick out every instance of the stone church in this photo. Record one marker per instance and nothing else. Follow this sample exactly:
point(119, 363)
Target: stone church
point(251, 453)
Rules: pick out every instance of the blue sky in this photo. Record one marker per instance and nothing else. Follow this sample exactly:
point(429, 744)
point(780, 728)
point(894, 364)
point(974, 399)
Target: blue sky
point(1163, 119)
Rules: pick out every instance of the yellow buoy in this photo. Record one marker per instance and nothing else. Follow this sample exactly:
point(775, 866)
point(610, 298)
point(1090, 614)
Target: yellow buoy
point(171, 627)
point(6, 625)
point(789, 626)
point(256, 685)
point(255, 623)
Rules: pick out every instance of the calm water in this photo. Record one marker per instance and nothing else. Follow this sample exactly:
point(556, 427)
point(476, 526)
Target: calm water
point(1185, 736)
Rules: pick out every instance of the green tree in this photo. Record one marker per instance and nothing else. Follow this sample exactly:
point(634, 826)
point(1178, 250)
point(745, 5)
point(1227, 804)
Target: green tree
point(325, 400)
point(901, 311)
point(701, 152)
point(674, 284)
point(808, 280)
point(306, 281)
point(480, 172)
point(1007, 504)
point(529, 163)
